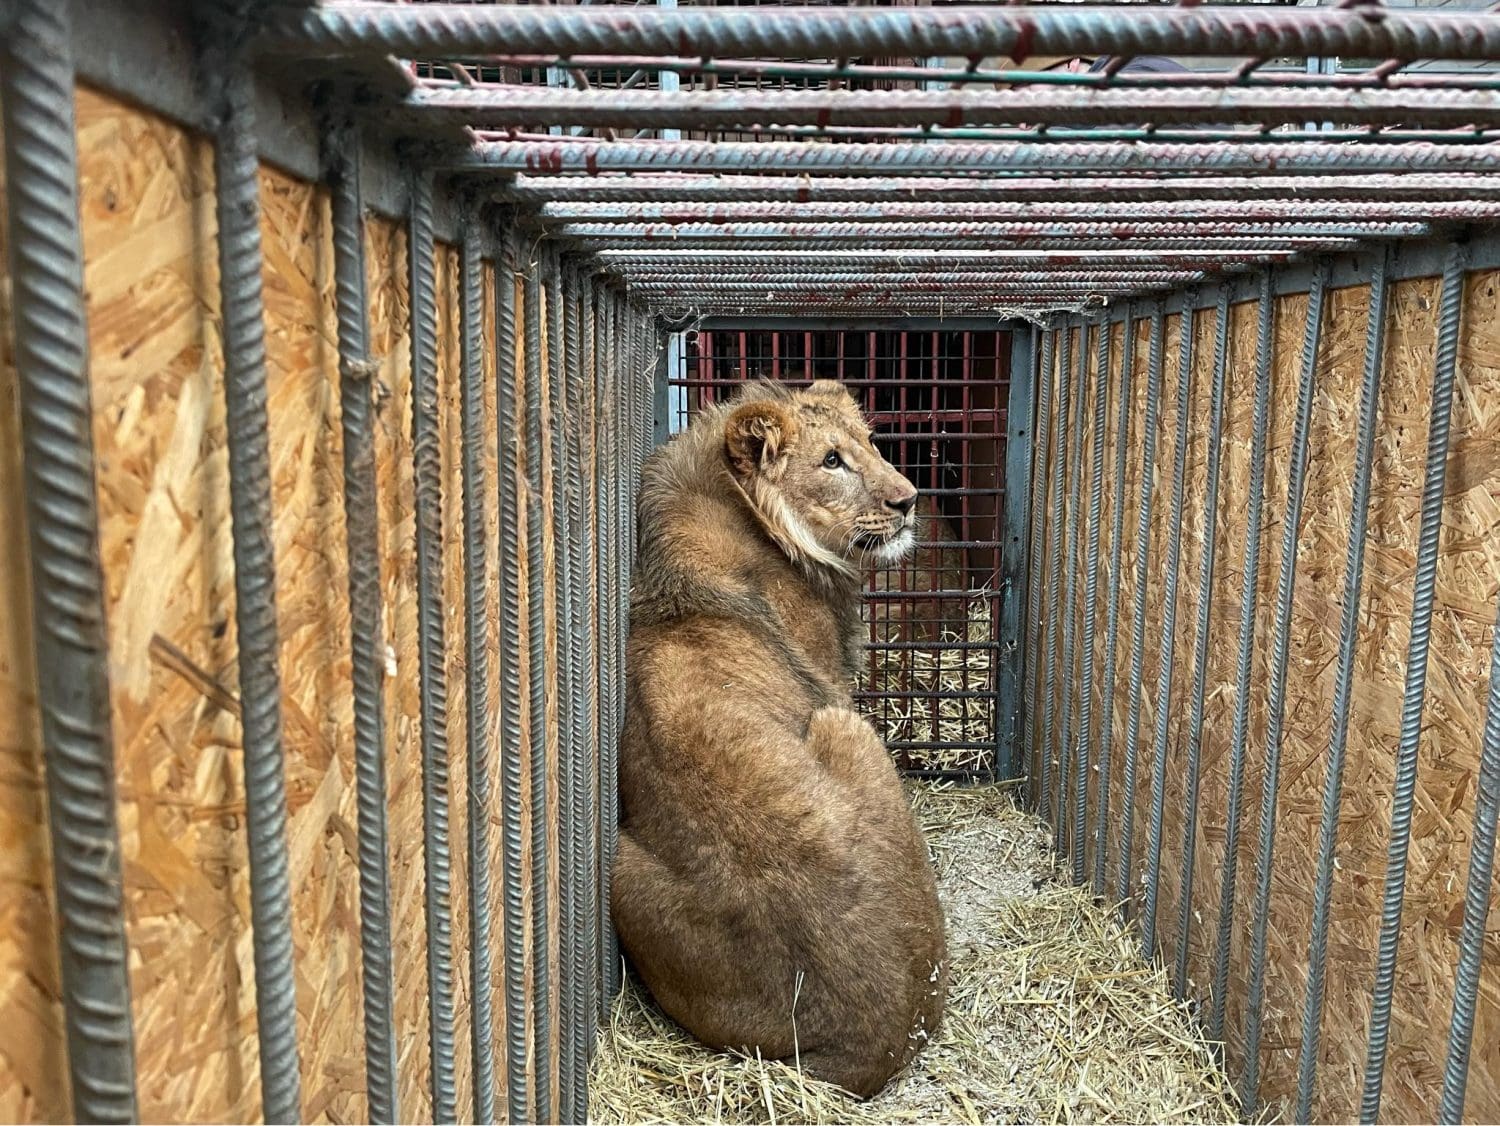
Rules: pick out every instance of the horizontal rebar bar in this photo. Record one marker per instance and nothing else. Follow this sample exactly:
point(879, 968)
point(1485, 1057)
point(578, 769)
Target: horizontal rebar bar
point(939, 76)
point(1266, 159)
point(682, 187)
point(1249, 211)
point(1222, 249)
point(339, 28)
point(885, 233)
point(645, 277)
point(915, 258)
point(519, 106)
point(823, 291)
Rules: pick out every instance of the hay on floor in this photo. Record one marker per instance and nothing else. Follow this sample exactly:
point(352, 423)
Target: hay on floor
point(1051, 1016)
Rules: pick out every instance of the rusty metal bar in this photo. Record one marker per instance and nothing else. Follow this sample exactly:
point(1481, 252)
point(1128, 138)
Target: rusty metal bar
point(1268, 158)
point(1121, 233)
point(1245, 191)
point(1349, 629)
point(1166, 655)
point(725, 108)
point(1112, 610)
point(1333, 210)
point(367, 660)
point(1142, 575)
point(236, 177)
point(342, 27)
point(509, 467)
point(67, 582)
point(1249, 593)
point(1414, 694)
point(431, 651)
point(536, 664)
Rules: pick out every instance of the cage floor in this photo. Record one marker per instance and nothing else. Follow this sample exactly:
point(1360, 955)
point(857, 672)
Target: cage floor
point(1051, 1015)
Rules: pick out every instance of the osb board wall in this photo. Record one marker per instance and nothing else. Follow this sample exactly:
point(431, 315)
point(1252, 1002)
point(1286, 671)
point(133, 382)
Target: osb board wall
point(1468, 582)
point(148, 228)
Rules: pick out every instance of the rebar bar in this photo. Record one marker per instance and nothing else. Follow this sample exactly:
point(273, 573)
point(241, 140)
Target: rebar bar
point(346, 27)
point(1213, 454)
point(1245, 191)
point(1250, 579)
point(569, 932)
point(536, 640)
point(1291, 528)
point(1065, 748)
point(737, 109)
point(432, 652)
point(1476, 904)
point(509, 467)
point(67, 582)
point(1450, 314)
point(1112, 612)
point(1364, 458)
point(1085, 740)
point(1154, 363)
point(1062, 209)
point(1168, 651)
point(1268, 159)
point(367, 659)
point(236, 172)
point(1061, 232)
point(477, 662)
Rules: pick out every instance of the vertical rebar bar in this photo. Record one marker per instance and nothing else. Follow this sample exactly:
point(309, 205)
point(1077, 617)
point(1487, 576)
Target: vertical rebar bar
point(432, 651)
point(610, 471)
point(1067, 784)
point(1276, 706)
point(1213, 454)
point(1476, 904)
point(1040, 430)
point(512, 785)
point(1343, 692)
point(367, 662)
point(536, 641)
point(1168, 650)
point(1264, 345)
point(1057, 458)
point(1142, 573)
point(236, 171)
point(1090, 597)
point(67, 584)
point(1450, 315)
point(562, 549)
point(609, 814)
point(586, 377)
point(1112, 612)
point(477, 662)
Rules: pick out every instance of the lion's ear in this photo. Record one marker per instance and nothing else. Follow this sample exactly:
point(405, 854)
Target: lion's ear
point(756, 435)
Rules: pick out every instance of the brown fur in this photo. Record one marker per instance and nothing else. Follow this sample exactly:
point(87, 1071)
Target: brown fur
point(772, 887)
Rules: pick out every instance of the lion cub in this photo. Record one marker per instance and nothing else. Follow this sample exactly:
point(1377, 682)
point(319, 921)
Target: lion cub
point(772, 887)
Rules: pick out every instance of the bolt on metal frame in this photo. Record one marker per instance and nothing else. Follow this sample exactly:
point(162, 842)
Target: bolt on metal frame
point(1015, 194)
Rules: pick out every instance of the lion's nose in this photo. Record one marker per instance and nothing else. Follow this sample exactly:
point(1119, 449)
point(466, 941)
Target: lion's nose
point(903, 504)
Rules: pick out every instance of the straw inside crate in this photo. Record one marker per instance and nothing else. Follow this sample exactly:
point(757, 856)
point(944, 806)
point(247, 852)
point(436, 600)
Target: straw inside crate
point(1051, 1015)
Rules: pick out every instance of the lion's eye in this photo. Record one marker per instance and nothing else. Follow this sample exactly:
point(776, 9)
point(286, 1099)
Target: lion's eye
point(831, 460)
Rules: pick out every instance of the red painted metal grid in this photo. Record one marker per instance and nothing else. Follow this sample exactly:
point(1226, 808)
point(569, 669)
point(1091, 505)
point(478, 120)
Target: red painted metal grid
point(936, 400)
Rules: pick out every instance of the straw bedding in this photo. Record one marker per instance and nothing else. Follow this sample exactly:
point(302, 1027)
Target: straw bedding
point(1051, 1015)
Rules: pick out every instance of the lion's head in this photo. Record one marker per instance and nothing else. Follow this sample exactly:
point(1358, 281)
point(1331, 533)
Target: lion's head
point(805, 462)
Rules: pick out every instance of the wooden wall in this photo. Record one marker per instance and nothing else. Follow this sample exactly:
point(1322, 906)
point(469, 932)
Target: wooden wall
point(148, 232)
point(1467, 587)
